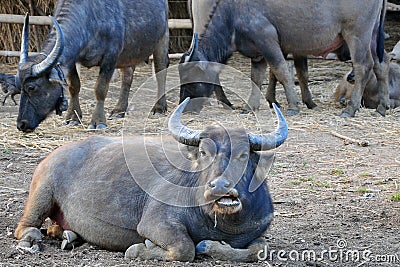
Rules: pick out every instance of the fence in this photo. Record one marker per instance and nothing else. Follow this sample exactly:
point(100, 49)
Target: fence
point(172, 24)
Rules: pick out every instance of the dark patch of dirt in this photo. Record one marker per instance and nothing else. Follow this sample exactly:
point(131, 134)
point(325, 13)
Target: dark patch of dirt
point(330, 193)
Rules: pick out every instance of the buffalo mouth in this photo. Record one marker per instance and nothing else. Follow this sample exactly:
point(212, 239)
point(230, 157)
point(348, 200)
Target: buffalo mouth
point(227, 204)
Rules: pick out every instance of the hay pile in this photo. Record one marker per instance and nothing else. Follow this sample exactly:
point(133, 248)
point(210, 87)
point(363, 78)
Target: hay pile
point(179, 39)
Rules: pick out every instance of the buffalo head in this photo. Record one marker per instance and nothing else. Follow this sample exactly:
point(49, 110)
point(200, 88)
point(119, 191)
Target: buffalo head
point(41, 82)
point(198, 77)
point(231, 162)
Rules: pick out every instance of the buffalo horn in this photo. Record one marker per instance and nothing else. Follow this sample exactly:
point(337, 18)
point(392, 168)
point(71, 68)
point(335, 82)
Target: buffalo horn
point(193, 47)
point(51, 60)
point(25, 41)
point(262, 142)
point(181, 133)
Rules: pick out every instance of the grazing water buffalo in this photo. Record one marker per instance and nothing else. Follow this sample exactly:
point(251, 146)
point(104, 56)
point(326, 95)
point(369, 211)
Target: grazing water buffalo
point(269, 30)
point(370, 97)
point(87, 187)
point(8, 86)
point(108, 34)
point(200, 13)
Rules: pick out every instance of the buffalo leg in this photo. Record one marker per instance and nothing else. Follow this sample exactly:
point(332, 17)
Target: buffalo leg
point(268, 45)
point(362, 64)
point(174, 244)
point(270, 95)
point(74, 113)
point(258, 68)
point(301, 66)
point(220, 94)
point(161, 62)
point(37, 208)
point(381, 70)
point(223, 251)
point(120, 109)
point(101, 88)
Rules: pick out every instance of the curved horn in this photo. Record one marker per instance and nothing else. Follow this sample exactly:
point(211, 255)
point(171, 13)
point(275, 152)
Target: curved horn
point(193, 46)
point(181, 133)
point(48, 63)
point(25, 41)
point(262, 142)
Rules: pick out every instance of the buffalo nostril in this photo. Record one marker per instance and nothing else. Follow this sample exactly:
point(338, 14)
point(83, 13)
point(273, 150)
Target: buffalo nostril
point(21, 125)
point(219, 183)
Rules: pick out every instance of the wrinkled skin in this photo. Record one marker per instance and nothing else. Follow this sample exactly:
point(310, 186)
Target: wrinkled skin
point(88, 189)
point(277, 28)
point(370, 97)
point(120, 36)
point(395, 53)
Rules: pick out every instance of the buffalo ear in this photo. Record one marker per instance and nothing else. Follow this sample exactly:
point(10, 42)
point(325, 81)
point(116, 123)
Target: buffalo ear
point(264, 165)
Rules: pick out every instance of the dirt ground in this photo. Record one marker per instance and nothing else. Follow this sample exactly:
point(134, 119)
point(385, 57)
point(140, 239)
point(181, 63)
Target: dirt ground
point(334, 182)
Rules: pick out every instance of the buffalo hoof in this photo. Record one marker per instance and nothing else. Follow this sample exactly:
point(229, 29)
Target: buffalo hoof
point(381, 110)
point(345, 115)
point(292, 112)
point(70, 240)
point(30, 240)
point(99, 126)
point(133, 251)
point(73, 123)
point(117, 115)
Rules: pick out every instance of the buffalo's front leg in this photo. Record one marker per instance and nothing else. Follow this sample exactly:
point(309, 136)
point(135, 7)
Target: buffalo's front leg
point(120, 108)
point(170, 242)
point(101, 88)
point(222, 251)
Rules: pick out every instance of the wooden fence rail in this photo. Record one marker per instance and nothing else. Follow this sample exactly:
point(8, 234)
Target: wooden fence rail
point(45, 20)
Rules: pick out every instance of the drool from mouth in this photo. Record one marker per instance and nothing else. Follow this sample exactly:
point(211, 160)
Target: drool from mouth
point(227, 204)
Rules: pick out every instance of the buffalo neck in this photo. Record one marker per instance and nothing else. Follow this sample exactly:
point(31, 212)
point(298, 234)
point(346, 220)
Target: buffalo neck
point(216, 42)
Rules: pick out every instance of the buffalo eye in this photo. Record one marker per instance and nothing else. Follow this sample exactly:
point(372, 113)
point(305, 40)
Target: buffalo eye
point(243, 156)
point(202, 153)
point(30, 88)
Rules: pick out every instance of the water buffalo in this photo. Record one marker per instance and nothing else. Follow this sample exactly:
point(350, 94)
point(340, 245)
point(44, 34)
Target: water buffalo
point(270, 30)
point(112, 198)
point(108, 34)
point(8, 86)
point(200, 12)
point(370, 97)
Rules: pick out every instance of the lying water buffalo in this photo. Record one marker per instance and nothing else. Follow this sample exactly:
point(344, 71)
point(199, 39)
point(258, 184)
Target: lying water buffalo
point(200, 12)
point(269, 30)
point(370, 97)
point(113, 34)
point(8, 86)
point(119, 202)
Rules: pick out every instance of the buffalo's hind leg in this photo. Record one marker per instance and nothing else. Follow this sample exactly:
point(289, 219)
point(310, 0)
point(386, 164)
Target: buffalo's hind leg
point(120, 108)
point(37, 209)
point(301, 66)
